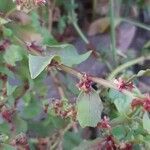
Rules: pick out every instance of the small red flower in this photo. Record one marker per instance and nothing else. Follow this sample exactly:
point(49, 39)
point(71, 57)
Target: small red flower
point(4, 45)
point(39, 2)
point(123, 85)
point(125, 146)
point(136, 103)
point(7, 114)
point(21, 139)
point(104, 123)
point(109, 143)
point(144, 102)
point(85, 83)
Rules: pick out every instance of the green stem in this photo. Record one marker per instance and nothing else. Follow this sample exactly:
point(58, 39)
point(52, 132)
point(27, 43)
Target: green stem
point(101, 81)
point(73, 19)
point(10, 12)
point(80, 32)
point(113, 33)
point(126, 65)
point(140, 25)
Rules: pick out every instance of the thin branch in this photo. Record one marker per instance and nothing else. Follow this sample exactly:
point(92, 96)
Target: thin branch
point(51, 5)
point(3, 77)
point(101, 81)
point(58, 84)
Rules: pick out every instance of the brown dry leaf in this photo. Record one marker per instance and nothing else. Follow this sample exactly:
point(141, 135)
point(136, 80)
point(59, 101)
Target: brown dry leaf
point(125, 36)
point(99, 26)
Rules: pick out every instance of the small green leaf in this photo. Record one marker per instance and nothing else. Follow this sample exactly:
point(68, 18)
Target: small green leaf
point(31, 110)
point(38, 63)
point(71, 140)
point(7, 32)
point(89, 145)
point(3, 138)
point(3, 21)
point(146, 122)
point(89, 109)
point(20, 124)
point(119, 132)
point(10, 89)
point(4, 128)
point(121, 101)
point(144, 73)
point(13, 54)
point(140, 74)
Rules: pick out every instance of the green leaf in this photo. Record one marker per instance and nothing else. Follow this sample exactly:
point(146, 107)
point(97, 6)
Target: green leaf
point(140, 74)
point(4, 128)
point(69, 55)
point(3, 138)
point(89, 145)
point(7, 32)
point(13, 54)
point(20, 124)
point(6, 71)
point(3, 21)
point(119, 132)
point(32, 109)
point(121, 101)
point(143, 73)
point(46, 127)
point(146, 122)
point(38, 63)
point(71, 140)
point(10, 89)
point(7, 147)
point(89, 109)
point(47, 37)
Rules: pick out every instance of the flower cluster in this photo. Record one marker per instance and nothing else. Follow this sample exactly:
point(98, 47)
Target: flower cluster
point(123, 85)
point(85, 83)
point(64, 112)
point(125, 146)
point(104, 123)
point(7, 114)
point(109, 143)
point(37, 2)
point(21, 141)
point(4, 45)
point(144, 102)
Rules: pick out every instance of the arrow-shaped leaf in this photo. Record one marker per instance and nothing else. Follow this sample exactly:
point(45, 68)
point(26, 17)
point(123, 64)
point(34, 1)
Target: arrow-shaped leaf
point(38, 63)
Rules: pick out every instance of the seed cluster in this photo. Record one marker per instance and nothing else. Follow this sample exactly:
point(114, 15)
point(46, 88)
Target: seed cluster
point(104, 123)
point(21, 141)
point(109, 143)
point(85, 83)
point(123, 85)
point(7, 114)
point(64, 112)
point(143, 102)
